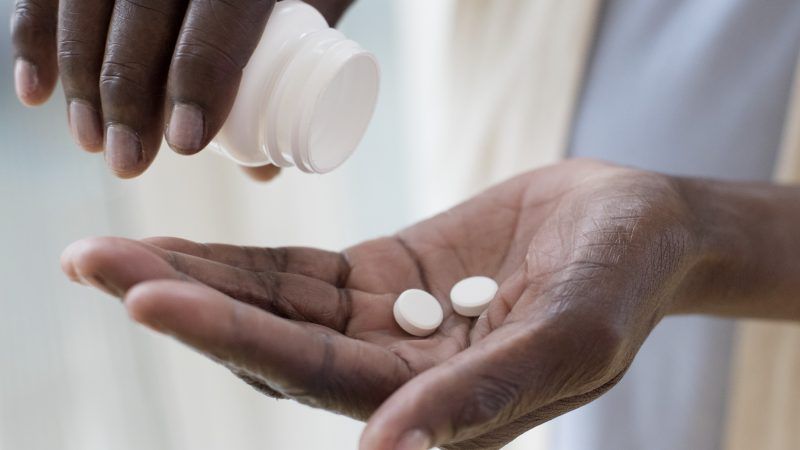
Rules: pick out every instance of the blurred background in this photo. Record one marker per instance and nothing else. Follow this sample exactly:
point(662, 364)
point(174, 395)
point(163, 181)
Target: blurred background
point(75, 373)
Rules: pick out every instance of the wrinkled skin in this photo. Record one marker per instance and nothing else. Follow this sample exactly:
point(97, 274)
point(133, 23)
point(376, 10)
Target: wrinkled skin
point(588, 256)
point(126, 66)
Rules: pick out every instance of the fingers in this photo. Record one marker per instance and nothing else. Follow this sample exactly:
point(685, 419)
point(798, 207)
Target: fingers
point(510, 374)
point(262, 173)
point(293, 296)
point(330, 267)
point(33, 33)
point(497, 438)
point(306, 361)
point(299, 360)
point(138, 52)
point(115, 265)
point(226, 329)
point(101, 263)
point(214, 45)
point(443, 403)
point(136, 61)
point(82, 29)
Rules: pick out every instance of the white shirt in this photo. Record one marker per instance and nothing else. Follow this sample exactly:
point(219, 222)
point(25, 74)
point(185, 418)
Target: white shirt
point(690, 87)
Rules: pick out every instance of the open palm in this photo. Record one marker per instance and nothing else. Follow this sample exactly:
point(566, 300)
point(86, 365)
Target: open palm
point(317, 326)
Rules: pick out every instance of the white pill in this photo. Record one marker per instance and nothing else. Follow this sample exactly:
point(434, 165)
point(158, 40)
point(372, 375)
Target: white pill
point(471, 296)
point(418, 312)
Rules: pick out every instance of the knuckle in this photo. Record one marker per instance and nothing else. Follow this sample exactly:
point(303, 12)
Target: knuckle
point(206, 49)
point(271, 297)
point(323, 387)
point(278, 257)
point(158, 7)
point(72, 53)
point(198, 55)
point(245, 16)
point(32, 21)
point(339, 316)
point(242, 347)
point(123, 79)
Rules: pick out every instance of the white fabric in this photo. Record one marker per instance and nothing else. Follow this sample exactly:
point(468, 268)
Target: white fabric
point(690, 87)
point(696, 88)
point(507, 66)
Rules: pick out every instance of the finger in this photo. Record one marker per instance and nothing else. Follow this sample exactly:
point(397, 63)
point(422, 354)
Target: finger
point(33, 33)
point(289, 295)
point(214, 45)
point(499, 437)
point(302, 361)
point(263, 173)
point(330, 267)
point(114, 265)
point(331, 10)
point(100, 263)
point(82, 29)
point(254, 382)
point(508, 375)
point(140, 41)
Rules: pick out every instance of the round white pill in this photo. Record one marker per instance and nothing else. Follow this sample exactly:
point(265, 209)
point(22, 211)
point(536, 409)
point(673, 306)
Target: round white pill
point(471, 296)
point(418, 312)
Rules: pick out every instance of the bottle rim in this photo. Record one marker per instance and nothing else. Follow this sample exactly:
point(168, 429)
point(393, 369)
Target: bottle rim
point(337, 108)
point(281, 106)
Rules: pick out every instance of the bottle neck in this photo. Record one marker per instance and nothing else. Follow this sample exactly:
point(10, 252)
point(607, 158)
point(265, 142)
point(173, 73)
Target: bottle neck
point(305, 97)
point(308, 88)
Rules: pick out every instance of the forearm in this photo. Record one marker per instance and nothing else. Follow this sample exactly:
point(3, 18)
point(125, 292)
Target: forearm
point(748, 244)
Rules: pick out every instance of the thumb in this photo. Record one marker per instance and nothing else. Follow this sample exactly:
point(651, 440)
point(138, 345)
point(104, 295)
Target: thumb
point(520, 375)
point(464, 397)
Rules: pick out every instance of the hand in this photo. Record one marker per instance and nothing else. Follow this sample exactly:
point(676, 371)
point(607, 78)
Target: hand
point(589, 258)
point(125, 64)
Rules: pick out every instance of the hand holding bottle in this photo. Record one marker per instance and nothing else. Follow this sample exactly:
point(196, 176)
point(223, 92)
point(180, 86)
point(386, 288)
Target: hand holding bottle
point(134, 71)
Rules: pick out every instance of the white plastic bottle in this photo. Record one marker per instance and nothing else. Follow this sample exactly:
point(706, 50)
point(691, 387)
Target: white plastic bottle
point(306, 96)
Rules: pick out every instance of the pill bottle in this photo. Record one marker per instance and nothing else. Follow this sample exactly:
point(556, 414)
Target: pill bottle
point(306, 96)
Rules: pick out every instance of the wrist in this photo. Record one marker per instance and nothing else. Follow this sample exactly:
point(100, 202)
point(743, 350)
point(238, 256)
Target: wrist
point(711, 257)
point(745, 250)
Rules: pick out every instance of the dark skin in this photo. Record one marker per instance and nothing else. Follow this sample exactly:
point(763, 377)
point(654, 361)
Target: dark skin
point(589, 258)
point(134, 71)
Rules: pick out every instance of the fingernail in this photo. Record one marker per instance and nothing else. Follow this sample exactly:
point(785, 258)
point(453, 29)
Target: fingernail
point(414, 440)
point(73, 276)
point(84, 123)
point(123, 149)
point(26, 81)
point(186, 128)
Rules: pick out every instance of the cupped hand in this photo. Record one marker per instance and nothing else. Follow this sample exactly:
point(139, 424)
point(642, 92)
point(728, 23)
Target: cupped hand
point(133, 69)
point(588, 256)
